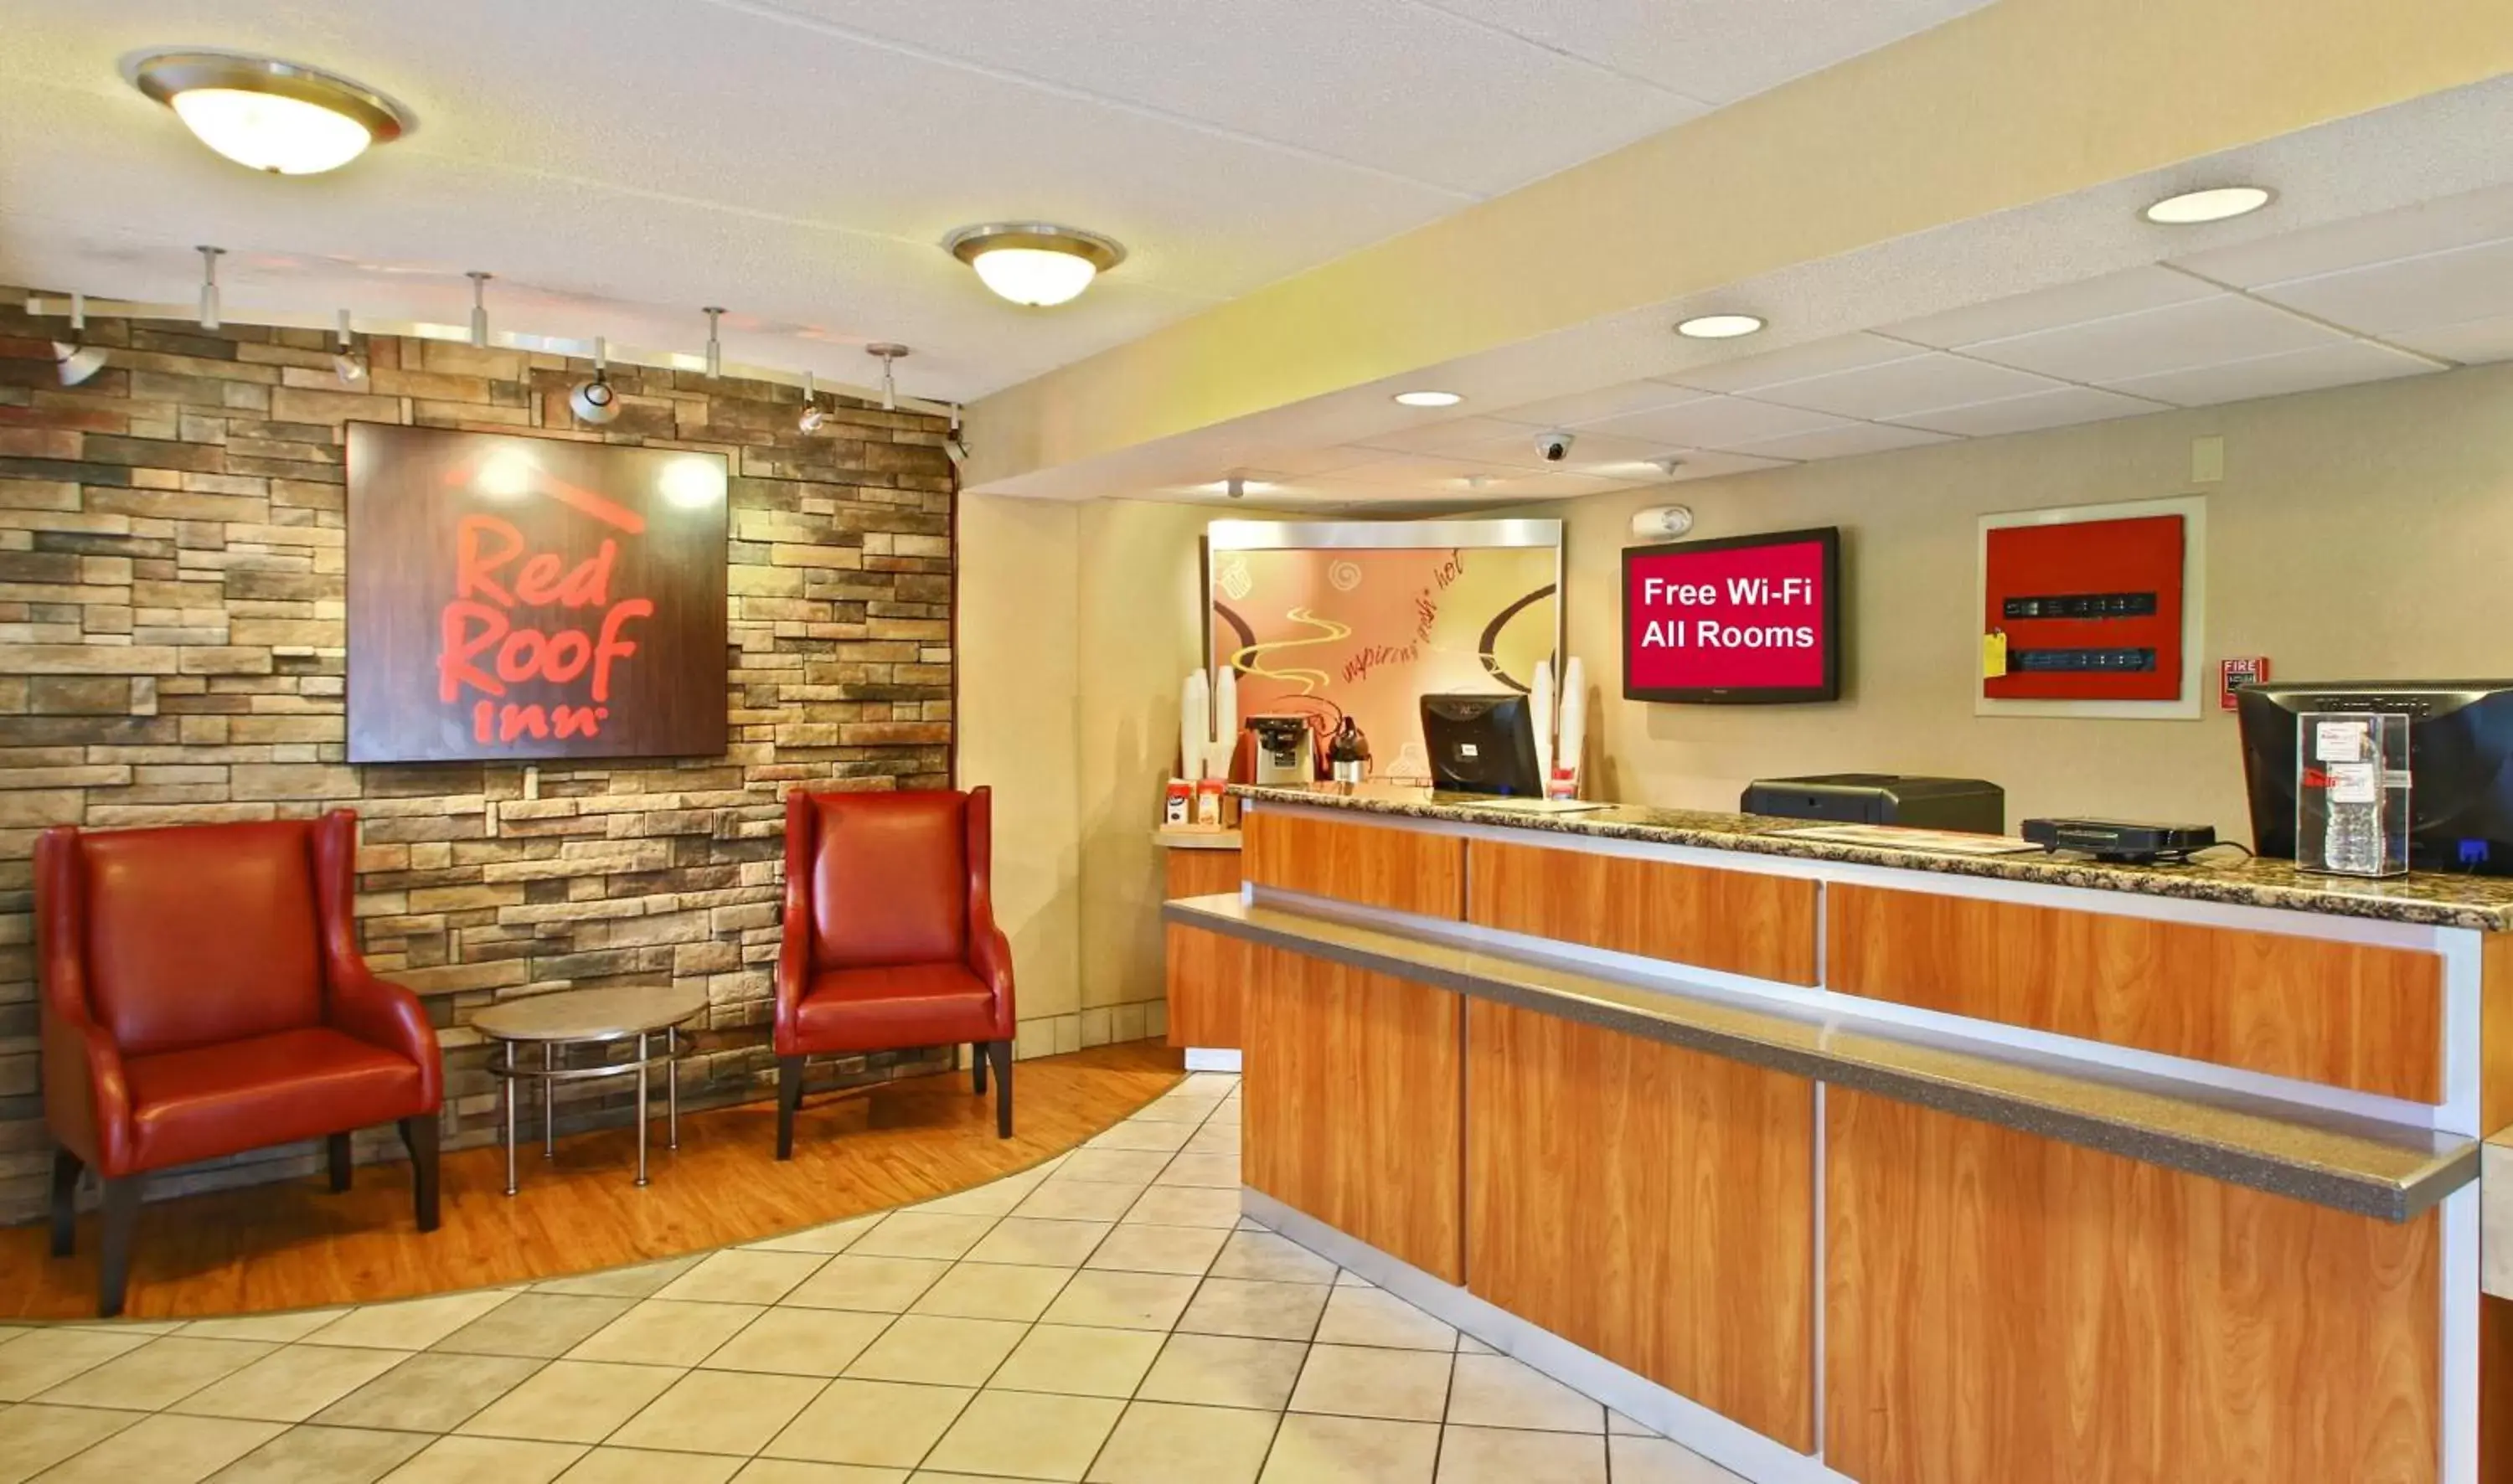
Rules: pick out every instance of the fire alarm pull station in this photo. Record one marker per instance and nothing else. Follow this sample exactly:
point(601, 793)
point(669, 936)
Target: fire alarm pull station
point(2233, 675)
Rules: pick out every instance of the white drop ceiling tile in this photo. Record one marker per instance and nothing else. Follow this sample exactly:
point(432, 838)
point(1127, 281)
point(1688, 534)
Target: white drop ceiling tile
point(2209, 332)
point(1446, 476)
point(1583, 408)
point(1604, 455)
point(1797, 363)
point(1845, 441)
point(2429, 226)
point(2341, 364)
point(1716, 50)
point(1708, 463)
point(2471, 344)
point(2023, 414)
point(2449, 288)
point(1717, 422)
point(1446, 437)
point(1932, 380)
point(1352, 80)
point(2094, 299)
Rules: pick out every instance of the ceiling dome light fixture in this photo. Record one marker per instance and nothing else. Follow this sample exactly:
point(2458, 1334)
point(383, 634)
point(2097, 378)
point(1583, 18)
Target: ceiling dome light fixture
point(1034, 263)
point(271, 115)
point(1719, 327)
point(1428, 399)
point(2221, 203)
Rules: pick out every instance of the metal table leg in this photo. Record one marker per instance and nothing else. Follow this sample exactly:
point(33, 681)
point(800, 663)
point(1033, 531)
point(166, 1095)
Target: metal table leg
point(550, 1085)
point(644, 1107)
point(506, 1093)
point(672, 1070)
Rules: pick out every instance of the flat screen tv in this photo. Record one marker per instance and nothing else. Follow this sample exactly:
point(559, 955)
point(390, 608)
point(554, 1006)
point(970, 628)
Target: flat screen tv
point(1739, 620)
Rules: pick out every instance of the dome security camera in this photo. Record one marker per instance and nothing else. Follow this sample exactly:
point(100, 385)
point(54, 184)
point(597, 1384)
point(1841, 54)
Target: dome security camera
point(1555, 445)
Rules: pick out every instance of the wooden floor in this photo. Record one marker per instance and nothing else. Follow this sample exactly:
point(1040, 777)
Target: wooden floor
point(299, 1246)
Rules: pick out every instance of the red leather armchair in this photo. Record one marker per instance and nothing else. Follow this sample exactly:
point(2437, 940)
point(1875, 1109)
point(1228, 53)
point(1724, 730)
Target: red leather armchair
point(890, 937)
point(203, 994)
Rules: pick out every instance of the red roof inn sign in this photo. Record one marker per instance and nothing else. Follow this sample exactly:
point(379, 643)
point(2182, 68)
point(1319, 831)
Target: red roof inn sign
point(515, 598)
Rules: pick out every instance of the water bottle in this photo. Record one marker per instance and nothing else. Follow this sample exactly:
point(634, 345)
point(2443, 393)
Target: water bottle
point(2352, 842)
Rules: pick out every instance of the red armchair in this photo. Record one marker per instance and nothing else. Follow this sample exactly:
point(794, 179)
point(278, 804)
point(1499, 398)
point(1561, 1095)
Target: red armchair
point(891, 938)
point(203, 996)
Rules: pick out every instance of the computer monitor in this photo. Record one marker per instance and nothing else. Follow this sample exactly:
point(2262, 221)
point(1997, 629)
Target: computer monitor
point(1482, 744)
point(2460, 764)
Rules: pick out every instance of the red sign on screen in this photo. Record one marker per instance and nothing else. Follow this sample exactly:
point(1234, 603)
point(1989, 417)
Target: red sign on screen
point(1740, 619)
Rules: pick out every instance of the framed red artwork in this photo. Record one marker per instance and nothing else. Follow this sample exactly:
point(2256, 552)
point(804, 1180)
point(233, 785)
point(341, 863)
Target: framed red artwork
point(2085, 609)
point(516, 598)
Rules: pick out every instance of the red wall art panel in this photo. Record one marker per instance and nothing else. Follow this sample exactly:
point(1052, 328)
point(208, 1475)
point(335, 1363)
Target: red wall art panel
point(514, 598)
point(2089, 610)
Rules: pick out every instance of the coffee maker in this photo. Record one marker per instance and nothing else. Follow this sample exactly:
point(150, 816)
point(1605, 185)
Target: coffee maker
point(1286, 750)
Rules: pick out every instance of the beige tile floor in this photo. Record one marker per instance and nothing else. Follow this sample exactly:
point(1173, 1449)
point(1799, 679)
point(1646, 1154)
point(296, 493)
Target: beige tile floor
point(1107, 1316)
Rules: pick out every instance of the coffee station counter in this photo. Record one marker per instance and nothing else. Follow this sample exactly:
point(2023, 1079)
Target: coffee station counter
point(1843, 1160)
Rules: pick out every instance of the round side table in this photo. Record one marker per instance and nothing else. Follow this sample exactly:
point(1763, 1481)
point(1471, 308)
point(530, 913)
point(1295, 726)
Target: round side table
point(573, 1018)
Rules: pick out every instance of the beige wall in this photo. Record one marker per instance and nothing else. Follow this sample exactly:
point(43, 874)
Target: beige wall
point(1077, 623)
point(1017, 708)
point(2357, 533)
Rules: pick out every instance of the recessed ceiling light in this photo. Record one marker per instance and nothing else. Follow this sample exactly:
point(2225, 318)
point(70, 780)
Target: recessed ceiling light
point(2218, 203)
point(271, 115)
point(1429, 399)
point(1034, 263)
point(1719, 327)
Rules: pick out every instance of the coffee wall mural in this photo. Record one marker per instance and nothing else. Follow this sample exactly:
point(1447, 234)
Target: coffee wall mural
point(521, 597)
point(1330, 619)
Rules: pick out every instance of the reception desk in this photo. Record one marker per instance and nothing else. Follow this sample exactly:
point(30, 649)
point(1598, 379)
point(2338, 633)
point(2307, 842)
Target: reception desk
point(1838, 1162)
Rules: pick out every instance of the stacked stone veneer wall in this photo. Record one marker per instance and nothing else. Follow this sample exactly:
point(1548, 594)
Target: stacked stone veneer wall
point(172, 646)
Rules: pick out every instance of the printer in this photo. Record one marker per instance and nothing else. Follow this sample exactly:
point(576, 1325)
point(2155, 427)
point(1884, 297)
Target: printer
point(1882, 798)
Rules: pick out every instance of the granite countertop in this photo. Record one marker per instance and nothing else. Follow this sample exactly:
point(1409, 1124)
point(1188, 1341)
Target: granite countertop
point(2428, 898)
point(2384, 1170)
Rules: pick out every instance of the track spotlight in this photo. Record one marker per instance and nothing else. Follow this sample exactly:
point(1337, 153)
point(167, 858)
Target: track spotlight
point(888, 354)
point(346, 363)
point(715, 347)
point(814, 414)
point(595, 400)
point(77, 362)
point(479, 309)
point(210, 285)
point(956, 446)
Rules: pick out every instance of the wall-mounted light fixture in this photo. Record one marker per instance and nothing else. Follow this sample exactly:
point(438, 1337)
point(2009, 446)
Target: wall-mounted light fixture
point(595, 400)
point(346, 363)
point(74, 361)
point(210, 285)
point(890, 354)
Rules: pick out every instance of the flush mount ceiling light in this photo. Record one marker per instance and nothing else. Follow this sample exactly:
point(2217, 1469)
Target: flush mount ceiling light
point(2221, 203)
point(1034, 263)
point(1719, 327)
point(1428, 399)
point(271, 115)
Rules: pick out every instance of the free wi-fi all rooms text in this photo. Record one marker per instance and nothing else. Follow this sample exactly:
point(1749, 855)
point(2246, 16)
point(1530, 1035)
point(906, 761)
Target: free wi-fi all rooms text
point(1748, 593)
